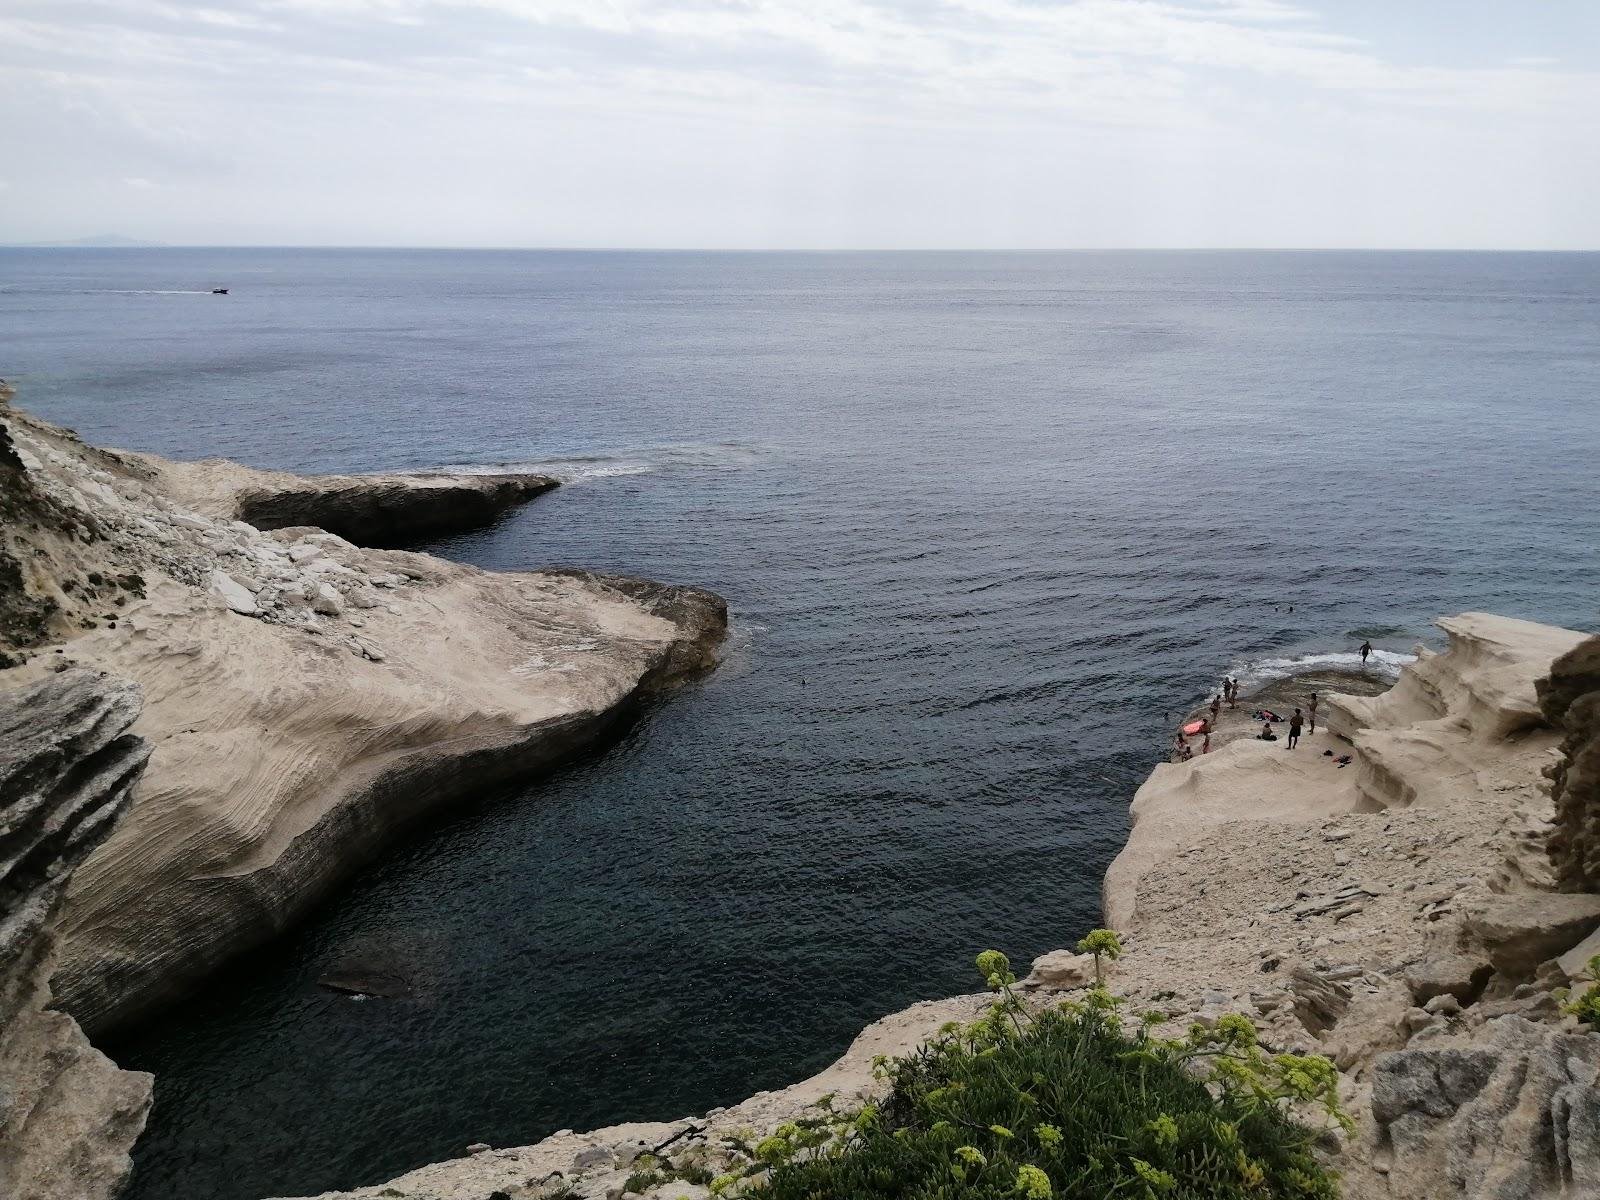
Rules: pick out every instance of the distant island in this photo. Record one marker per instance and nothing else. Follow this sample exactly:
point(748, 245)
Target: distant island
point(99, 241)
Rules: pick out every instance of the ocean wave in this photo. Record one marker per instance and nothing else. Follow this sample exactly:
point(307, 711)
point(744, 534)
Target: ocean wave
point(1259, 671)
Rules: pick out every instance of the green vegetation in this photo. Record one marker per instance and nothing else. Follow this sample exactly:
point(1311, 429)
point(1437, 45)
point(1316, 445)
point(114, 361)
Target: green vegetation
point(1585, 1005)
point(1067, 1103)
point(1101, 943)
point(1076, 1102)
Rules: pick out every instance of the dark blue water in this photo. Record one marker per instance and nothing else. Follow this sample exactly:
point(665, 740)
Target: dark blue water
point(984, 521)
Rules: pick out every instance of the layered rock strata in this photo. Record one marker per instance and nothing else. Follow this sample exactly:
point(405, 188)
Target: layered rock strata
point(68, 765)
point(307, 699)
point(1570, 700)
point(1393, 914)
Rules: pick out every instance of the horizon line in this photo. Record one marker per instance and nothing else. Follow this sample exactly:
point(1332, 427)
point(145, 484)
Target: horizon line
point(135, 244)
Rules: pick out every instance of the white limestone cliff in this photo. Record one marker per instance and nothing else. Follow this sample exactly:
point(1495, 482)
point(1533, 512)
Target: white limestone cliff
point(306, 699)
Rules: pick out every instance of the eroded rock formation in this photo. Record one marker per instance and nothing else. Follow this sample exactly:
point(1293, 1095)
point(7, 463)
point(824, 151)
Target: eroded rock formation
point(1570, 699)
point(307, 699)
point(370, 510)
point(68, 764)
point(1513, 1114)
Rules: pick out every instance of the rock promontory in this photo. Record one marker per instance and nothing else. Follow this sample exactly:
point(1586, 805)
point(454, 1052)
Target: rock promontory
point(306, 698)
point(370, 510)
point(68, 765)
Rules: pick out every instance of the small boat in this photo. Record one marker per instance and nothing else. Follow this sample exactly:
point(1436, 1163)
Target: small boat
point(219, 291)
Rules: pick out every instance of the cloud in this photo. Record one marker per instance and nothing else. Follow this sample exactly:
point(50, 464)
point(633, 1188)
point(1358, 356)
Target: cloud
point(322, 96)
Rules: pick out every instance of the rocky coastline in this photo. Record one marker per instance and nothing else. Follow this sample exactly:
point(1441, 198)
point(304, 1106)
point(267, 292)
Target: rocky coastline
point(1399, 915)
point(213, 711)
point(306, 698)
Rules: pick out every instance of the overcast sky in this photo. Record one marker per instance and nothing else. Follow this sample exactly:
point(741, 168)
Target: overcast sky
point(803, 123)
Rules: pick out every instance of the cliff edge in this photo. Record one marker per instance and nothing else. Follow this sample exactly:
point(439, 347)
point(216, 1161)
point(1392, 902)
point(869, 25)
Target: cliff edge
point(306, 698)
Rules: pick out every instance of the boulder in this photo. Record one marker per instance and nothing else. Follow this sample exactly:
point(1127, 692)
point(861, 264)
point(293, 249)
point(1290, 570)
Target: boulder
point(1060, 971)
point(234, 594)
point(325, 600)
point(1575, 962)
point(1372, 1023)
point(594, 1156)
point(1318, 1002)
point(1432, 1082)
point(1455, 975)
point(1521, 931)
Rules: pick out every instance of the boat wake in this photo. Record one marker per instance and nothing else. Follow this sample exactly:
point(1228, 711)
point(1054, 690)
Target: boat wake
point(574, 469)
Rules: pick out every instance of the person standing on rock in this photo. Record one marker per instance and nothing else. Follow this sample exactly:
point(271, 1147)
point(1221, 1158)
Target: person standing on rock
point(1232, 689)
point(1312, 707)
point(1295, 722)
point(1216, 709)
point(1366, 649)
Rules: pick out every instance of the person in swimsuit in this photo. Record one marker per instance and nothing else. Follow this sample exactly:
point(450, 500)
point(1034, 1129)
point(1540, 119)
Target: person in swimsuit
point(1295, 722)
point(1366, 649)
point(1312, 712)
point(1216, 708)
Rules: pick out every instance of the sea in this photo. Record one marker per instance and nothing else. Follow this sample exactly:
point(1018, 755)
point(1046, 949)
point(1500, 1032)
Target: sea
point(987, 524)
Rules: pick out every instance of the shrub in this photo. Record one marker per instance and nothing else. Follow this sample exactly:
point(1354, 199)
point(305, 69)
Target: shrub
point(1101, 942)
point(1067, 1104)
point(1585, 1005)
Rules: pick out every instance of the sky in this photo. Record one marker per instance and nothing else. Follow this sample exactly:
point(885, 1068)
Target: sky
point(807, 124)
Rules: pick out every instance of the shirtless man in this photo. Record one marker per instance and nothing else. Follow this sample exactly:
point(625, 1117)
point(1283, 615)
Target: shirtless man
point(1366, 649)
point(1312, 711)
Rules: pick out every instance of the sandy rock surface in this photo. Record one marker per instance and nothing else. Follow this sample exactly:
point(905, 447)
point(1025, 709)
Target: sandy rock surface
point(306, 698)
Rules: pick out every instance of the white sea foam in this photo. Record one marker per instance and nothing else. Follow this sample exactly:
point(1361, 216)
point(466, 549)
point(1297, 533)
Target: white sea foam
point(1259, 671)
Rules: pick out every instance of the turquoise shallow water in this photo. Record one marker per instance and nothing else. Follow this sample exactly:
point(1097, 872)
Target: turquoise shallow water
point(985, 521)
